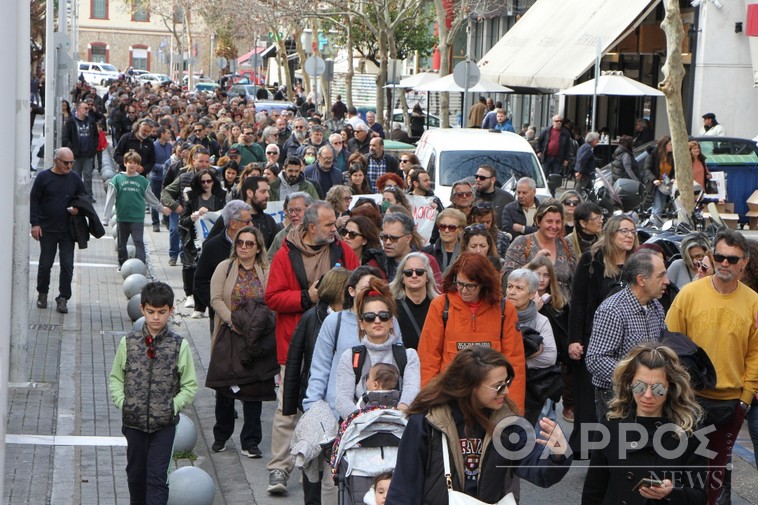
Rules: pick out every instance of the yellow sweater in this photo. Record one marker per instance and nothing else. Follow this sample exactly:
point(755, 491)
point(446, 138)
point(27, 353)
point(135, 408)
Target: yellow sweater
point(724, 326)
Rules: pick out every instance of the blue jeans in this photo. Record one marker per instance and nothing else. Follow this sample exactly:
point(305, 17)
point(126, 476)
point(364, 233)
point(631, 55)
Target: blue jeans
point(752, 427)
point(174, 238)
point(659, 202)
point(552, 165)
point(50, 243)
point(155, 187)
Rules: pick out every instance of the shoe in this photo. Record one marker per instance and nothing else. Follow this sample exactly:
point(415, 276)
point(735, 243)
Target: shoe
point(60, 305)
point(252, 453)
point(42, 301)
point(156, 227)
point(190, 303)
point(196, 314)
point(218, 446)
point(172, 262)
point(277, 482)
point(568, 414)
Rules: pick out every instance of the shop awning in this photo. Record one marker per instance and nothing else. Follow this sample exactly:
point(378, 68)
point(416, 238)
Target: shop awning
point(556, 41)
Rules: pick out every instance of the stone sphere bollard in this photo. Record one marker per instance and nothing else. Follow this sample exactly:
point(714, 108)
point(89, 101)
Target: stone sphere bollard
point(133, 307)
point(107, 174)
point(133, 266)
point(190, 485)
point(139, 323)
point(186, 435)
point(131, 251)
point(114, 234)
point(133, 285)
point(112, 223)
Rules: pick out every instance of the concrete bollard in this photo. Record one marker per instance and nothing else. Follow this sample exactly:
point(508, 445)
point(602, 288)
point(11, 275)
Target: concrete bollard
point(186, 435)
point(133, 285)
point(190, 485)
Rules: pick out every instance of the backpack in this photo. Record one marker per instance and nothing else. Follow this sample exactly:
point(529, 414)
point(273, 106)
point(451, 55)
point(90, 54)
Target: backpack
point(359, 359)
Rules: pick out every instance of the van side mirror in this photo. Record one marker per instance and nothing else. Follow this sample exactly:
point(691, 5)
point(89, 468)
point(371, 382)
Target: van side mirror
point(554, 182)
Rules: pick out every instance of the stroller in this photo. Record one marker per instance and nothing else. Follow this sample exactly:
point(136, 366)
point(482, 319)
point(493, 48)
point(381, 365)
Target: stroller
point(365, 447)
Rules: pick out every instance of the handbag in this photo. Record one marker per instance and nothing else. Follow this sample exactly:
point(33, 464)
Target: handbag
point(458, 498)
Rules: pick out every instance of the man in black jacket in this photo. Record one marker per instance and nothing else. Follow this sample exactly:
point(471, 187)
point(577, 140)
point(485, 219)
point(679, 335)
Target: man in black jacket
point(140, 141)
point(236, 215)
point(518, 216)
point(487, 191)
point(81, 136)
point(554, 147)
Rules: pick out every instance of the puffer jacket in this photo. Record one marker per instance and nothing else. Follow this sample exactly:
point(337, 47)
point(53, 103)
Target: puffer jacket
point(624, 166)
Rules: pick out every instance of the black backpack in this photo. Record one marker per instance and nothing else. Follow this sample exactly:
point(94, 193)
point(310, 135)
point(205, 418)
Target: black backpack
point(359, 359)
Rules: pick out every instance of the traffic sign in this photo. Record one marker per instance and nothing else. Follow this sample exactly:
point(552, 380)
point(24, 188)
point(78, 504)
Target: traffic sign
point(315, 65)
point(460, 71)
point(221, 62)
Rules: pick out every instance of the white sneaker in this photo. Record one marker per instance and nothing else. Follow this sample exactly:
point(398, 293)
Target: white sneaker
point(190, 303)
point(197, 314)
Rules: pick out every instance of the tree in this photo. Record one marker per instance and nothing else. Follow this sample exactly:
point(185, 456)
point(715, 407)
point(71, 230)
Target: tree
point(671, 86)
point(37, 36)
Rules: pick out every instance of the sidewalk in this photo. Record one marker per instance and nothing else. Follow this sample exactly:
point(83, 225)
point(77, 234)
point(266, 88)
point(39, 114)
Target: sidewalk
point(64, 443)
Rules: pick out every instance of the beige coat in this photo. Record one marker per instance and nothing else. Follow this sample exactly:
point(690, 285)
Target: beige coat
point(222, 285)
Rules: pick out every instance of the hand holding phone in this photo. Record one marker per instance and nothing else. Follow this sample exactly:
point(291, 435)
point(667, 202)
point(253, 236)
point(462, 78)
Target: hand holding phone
point(648, 482)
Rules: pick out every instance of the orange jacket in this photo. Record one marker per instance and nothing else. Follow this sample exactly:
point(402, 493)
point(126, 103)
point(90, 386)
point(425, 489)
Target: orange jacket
point(440, 343)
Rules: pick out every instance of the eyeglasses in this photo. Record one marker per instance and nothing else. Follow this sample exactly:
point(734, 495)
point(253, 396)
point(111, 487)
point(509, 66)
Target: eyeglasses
point(370, 317)
point(471, 229)
point(462, 194)
point(571, 203)
point(641, 387)
point(295, 210)
point(719, 258)
point(448, 227)
point(206, 181)
point(392, 238)
point(150, 349)
point(418, 271)
point(596, 218)
point(244, 221)
point(272, 153)
point(482, 177)
point(348, 198)
point(248, 244)
point(502, 387)
point(66, 162)
point(627, 231)
point(466, 286)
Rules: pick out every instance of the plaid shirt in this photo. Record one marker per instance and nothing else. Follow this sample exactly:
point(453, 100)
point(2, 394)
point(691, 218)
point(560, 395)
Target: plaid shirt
point(375, 169)
point(620, 323)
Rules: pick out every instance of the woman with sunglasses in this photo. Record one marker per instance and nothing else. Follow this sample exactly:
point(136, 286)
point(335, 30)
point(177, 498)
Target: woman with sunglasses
point(205, 195)
point(471, 311)
point(376, 310)
point(450, 224)
point(361, 234)
point(406, 163)
point(547, 241)
point(414, 289)
point(237, 288)
point(652, 392)
point(451, 427)
point(597, 275)
point(484, 213)
point(570, 199)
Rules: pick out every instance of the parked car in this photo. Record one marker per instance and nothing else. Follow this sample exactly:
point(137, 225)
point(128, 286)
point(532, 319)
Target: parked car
point(98, 74)
point(155, 80)
point(433, 121)
point(249, 91)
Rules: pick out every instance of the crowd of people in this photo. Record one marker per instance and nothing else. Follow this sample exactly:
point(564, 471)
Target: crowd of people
point(509, 306)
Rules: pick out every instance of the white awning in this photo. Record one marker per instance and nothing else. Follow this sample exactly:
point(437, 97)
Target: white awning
point(556, 41)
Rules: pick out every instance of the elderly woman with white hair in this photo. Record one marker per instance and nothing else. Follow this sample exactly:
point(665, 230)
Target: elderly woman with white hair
point(539, 342)
point(413, 289)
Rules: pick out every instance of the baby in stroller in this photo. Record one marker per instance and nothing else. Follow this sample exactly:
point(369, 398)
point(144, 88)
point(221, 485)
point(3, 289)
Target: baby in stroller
point(381, 387)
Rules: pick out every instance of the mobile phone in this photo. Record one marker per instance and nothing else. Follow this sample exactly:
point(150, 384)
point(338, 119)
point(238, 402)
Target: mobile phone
point(648, 482)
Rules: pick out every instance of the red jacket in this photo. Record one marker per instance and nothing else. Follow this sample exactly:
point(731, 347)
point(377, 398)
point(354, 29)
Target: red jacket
point(285, 297)
point(439, 343)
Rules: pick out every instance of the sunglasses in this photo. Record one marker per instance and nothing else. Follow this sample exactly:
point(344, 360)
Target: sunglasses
point(448, 227)
point(571, 203)
point(150, 349)
point(272, 153)
point(482, 177)
point(502, 387)
point(349, 234)
point(467, 194)
point(392, 238)
point(206, 181)
point(640, 388)
point(246, 243)
point(471, 229)
point(67, 163)
point(404, 161)
point(418, 271)
point(370, 317)
point(466, 286)
point(719, 258)
point(483, 205)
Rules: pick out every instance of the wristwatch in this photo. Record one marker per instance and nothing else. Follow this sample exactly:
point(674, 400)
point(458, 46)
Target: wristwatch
point(744, 406)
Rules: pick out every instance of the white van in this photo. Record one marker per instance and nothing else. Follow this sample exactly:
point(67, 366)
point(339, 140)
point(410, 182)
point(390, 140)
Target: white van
point(450, 155)
point(97, 74)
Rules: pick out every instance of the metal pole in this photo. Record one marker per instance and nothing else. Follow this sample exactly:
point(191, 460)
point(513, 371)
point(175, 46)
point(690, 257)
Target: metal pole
point(464, 107)
point(51, 101)
point(210, 57)
point(598, 56)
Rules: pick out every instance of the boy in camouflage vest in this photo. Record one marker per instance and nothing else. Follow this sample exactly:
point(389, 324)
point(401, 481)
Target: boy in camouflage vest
point(152, 379)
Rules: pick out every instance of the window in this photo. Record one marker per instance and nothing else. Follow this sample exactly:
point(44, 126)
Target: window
point(140, 10)
point(99, 53)
point(99, 9)
point(140, 59)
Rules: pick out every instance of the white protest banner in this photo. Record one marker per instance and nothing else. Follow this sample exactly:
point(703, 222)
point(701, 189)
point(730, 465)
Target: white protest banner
point(423, 213)
point(203, 226)
point(276, 210)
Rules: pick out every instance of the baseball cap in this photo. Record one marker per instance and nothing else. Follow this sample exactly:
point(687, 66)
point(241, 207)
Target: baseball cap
point(233, 152)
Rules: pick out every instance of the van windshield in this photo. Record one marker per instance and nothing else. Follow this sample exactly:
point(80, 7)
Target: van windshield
point(108, 68)
point(457, 165)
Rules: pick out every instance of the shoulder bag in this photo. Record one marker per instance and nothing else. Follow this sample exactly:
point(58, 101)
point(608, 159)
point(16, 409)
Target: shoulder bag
point(458, 498)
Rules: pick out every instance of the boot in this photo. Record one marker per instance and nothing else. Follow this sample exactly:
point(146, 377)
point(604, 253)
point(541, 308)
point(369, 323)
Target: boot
point(42, 301)
point(725, 498)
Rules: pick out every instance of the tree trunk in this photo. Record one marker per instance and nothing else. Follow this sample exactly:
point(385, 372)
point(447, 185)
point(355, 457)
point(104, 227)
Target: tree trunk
point(673, 75)
point(381, 77)
point(350, 66)
point(442, 47)
point(188, 31)
point(281, 55)
point(303, 57)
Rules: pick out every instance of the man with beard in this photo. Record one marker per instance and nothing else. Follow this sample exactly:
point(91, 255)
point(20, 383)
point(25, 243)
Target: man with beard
point(315, 139)
point(322, 172)
point(291, 180)
point(487, 191)
point(361, 138)
point(341, 154)
point(379, 162)
point(140, 141)
point(249, 150)
point(292, 145)
point(294, 205)
point(309, 251)
point(81, 136)
point(421, 185)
